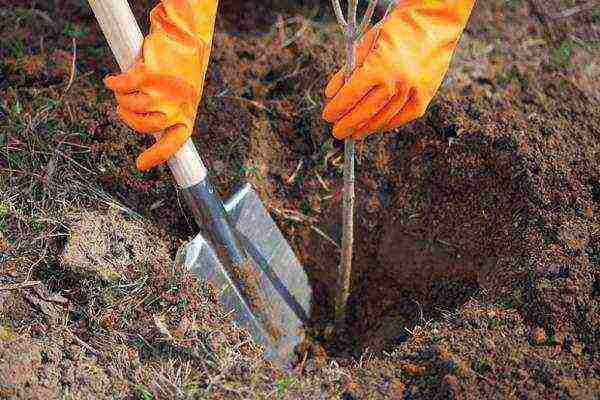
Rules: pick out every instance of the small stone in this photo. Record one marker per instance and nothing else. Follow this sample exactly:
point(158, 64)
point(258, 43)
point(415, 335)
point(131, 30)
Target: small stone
point(351, 386)
point(413, 369)
point(450, 387)
point(373, 205)
point(348, 396)
point(556, 339)
point(576, 349)
point(441, 353)
point(397, 388)
point(539, 336)
point(310, 366)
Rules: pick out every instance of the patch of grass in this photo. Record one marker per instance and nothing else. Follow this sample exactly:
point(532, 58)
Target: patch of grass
point(143, 394)
point(494, 322)
point(420, 193)
point(14, 112)
point(16, 48)
point(182, 305)
point(137, 174)
point(23, 15)
point(52, 103)
point(306, 209)
point(4, 211)
point(49, 125)
point(482, 366)
point(82, 132)
point(14, 161)
point(596, 16)
point(252, 171)
point(95, 51)
point(325, 149)
point(174, 287)
point(284, 384)
point(550, 238)
point(16, 109)
point(503, 78)
point(75, 31)
point(513, 5)
point(510, 302)
point(125, 319)
point(423, 245)
point(36, 225)
point(561, 56)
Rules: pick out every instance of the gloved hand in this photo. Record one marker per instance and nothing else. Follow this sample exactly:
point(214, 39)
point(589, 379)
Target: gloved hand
point(401, 62)
point(164, 87)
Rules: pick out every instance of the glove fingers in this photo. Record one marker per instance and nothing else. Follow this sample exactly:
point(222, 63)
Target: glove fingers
point(348, 96)
point(382, 118)
point(335, 84)
point(136, 102)
point(169, 88)
point(164, 148)
point(143, 123)
point(126, 82)
point(370, 105)
point(413, 109)
point(364, 47)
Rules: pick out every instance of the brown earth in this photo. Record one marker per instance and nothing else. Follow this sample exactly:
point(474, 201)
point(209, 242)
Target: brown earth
point(477, 264)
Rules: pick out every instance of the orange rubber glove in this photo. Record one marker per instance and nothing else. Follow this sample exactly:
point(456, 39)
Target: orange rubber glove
point(163, 88)
point(401, 63)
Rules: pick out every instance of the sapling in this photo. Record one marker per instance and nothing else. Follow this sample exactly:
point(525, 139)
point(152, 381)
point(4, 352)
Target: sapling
point(404, 61)
point(352, 32)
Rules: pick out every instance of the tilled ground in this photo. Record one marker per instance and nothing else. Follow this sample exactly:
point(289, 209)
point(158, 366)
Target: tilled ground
point(477, 264)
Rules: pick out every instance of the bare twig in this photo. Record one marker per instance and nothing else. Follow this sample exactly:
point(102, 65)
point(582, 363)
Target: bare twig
point(280, 30)
point(290, 180)
point(74, 162)
point(389, 8)
point(352, 7)
point(18, 286)
point(299, 217)
point(575, 10)
point(300, 368)
point(73, 67)
point(251, 102)
point(338, 12)
point(86, 346)
point(421, 318)
point(368, 16)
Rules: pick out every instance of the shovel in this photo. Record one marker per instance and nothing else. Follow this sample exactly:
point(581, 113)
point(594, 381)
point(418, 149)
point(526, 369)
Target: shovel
point(240, 250)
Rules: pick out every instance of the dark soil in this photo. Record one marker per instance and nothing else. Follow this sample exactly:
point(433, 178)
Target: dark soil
point(477, 262)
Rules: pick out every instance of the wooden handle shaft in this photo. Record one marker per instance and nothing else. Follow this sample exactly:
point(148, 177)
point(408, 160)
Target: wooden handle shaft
point(125, 40)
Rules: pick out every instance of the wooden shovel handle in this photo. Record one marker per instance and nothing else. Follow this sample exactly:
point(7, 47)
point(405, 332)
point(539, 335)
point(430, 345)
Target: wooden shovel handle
point(125, 40)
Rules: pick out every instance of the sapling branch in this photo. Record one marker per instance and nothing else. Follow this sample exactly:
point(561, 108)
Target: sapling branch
point(352, 7)
point(339, 15)
point(364, 24)
point(389, 8)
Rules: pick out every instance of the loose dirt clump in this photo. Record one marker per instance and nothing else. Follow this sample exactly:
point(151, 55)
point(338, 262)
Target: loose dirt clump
point(50, 366)
point(108, 246)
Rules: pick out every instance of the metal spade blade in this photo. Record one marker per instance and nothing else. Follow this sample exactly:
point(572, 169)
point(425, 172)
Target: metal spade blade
point(272, 297)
